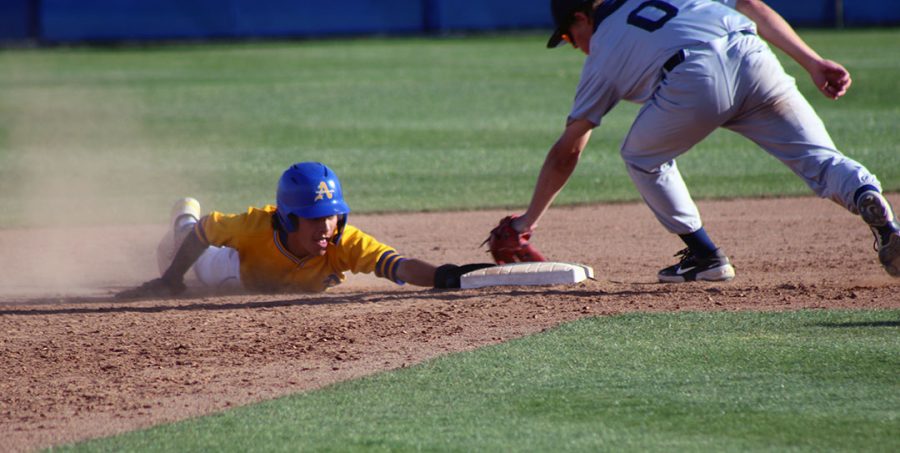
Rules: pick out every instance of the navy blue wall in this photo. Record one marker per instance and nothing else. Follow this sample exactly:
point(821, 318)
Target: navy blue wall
point(317, 18)
point(808, 13)
point(15, 19)
point(76, 20)
point(460, 15)
point(112, 20)
point(861, 13)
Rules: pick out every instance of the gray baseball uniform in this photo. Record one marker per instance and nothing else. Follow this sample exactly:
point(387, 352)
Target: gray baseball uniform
point(723, 75)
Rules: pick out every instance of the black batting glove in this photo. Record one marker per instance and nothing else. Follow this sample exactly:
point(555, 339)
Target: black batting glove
point(447, 276)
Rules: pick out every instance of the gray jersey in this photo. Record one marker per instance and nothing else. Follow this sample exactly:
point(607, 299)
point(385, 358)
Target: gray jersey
point(634, 39)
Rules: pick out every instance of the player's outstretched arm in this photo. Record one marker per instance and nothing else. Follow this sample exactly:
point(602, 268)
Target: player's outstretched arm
point(172, 281)
point(419, 273)
point(830, 78)
point(416, 272)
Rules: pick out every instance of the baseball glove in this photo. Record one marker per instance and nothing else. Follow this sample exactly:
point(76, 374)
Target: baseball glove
point(509, 246)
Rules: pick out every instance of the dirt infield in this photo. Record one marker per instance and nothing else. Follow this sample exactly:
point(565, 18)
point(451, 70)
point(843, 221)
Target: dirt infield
point(78, 364)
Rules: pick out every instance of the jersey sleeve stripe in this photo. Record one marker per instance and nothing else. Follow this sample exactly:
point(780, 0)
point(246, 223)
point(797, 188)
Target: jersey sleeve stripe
point(389, 265)
point(379, 266)
point(394, 268)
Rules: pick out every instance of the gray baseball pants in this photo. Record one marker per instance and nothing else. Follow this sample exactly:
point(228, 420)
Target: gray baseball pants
point(737, 83)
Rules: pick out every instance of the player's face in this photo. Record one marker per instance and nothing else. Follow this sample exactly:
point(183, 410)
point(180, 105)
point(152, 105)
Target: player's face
point(312, 236)
point(580, 33)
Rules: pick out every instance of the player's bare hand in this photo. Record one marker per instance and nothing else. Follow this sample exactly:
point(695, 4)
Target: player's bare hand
point(154, 288)
point(832, 79)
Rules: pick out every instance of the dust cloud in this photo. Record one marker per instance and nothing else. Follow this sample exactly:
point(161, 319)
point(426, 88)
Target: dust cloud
point(78, 164)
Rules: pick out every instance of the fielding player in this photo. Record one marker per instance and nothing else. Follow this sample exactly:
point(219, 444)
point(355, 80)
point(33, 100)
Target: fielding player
point(303, 244)
point(697, 65)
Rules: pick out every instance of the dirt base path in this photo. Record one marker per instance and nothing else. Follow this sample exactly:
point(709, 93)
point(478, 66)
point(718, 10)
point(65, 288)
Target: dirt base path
point(77, 364)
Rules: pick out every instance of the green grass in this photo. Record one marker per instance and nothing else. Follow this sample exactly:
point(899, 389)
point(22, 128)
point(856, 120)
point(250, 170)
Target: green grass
point(100, 135)
point(812, 381)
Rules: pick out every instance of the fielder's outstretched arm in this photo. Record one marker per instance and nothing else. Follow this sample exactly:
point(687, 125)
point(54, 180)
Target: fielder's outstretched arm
point(830, 78)
point(558, 166)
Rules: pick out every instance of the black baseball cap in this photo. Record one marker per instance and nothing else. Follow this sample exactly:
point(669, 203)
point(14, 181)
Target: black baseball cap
point(563, 12)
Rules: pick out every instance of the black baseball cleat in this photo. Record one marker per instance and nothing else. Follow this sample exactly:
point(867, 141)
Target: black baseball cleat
point(877, 213)
point(714, 268)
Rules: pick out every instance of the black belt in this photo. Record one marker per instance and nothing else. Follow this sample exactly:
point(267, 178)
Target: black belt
point(678, 58)
point(673, 61)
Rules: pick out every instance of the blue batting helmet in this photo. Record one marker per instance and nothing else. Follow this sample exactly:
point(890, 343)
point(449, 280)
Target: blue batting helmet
point(309, 190)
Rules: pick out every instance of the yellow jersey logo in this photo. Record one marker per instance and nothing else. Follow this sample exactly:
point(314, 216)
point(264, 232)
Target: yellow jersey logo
point(324, 191)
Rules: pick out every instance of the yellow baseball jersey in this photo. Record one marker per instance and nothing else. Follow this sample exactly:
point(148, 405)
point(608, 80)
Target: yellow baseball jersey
point(267, 265)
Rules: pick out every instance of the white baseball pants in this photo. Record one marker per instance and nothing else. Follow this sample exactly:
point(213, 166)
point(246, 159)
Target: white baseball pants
point(217, 267)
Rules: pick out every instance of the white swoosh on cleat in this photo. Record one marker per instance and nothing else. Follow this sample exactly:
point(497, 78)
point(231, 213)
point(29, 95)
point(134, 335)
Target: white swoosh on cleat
point(682, 270)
